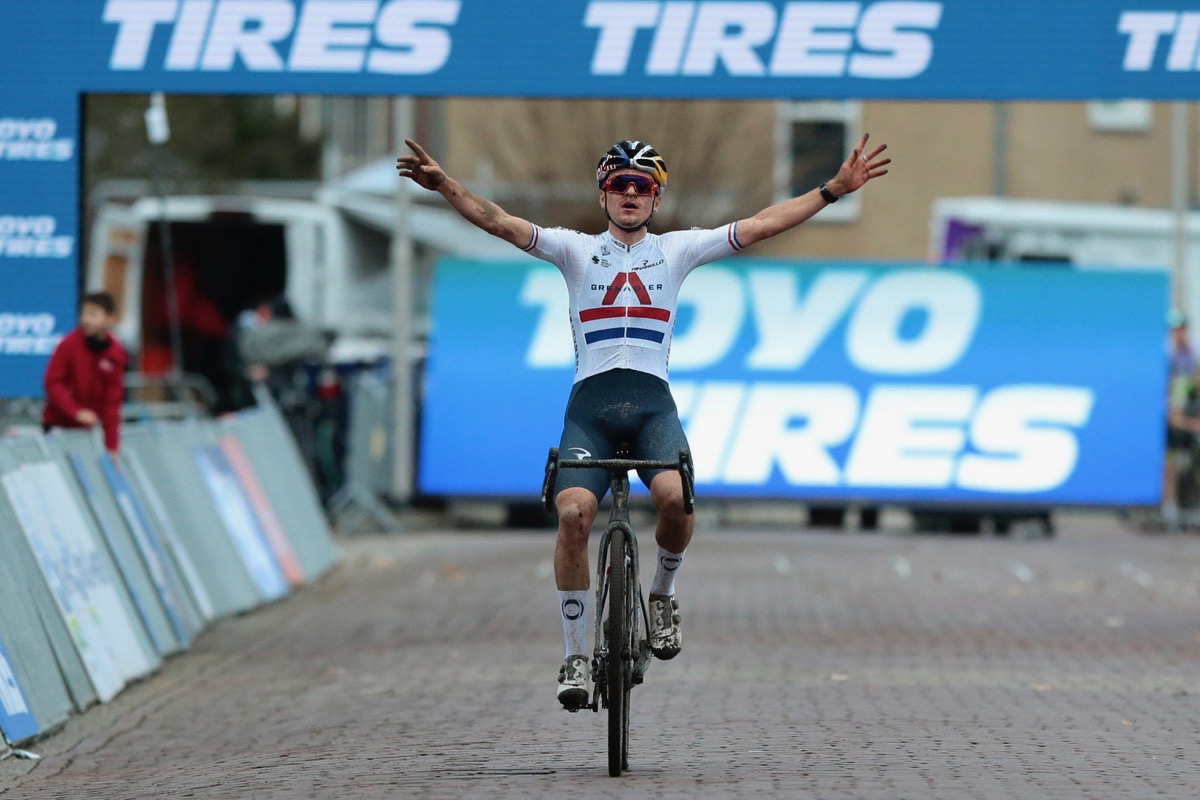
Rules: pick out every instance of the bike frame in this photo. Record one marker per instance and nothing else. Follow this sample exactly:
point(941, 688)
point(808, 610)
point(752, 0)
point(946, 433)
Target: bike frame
point(628, 667)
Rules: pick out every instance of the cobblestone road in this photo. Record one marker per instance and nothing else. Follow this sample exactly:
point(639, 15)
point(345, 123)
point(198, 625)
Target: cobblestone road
point(822, 665)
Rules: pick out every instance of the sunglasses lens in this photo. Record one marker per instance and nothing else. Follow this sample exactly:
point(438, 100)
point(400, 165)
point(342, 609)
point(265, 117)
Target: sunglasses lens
point(621, 183)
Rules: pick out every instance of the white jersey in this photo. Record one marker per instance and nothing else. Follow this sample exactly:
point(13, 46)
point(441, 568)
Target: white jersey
point(623, 297)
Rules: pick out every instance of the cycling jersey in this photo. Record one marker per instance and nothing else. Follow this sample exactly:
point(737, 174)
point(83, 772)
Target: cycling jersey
point(623, 296)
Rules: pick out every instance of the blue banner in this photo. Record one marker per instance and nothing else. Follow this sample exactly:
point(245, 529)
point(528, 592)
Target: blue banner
point(957, 49)
point(886, 383)
point(38, 231)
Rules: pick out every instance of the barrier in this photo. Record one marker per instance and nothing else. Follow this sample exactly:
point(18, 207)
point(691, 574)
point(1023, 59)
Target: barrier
point(59, 662)
point(368, 459)
point(164, 448)
point(108, 566)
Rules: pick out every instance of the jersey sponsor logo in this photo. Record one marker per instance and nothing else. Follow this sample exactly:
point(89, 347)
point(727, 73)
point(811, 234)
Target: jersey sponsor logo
point(33, 237)
point(579, 452)
point(33, 140)
point(608, 310)
point(898, 432)
point(388, 37)
point(28, 334)
point(1167, 40)
point(880, 40)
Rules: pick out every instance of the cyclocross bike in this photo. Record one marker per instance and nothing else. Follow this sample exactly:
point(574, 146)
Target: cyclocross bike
point(622, 638)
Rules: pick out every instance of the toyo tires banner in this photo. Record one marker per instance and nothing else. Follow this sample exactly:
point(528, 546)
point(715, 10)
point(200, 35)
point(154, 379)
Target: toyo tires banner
point(829, 381)
point(903, 49)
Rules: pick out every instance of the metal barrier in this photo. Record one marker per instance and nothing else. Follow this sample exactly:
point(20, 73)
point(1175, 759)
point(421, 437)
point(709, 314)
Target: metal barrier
point(368, 459)
point(109, 566)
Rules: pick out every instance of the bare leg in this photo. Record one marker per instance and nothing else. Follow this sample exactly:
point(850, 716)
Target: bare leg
point(576, 512)
point(675, 527)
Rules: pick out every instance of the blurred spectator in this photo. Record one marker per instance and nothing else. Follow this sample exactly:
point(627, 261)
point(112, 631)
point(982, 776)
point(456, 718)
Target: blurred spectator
point(1183, 419)
point(85, 379)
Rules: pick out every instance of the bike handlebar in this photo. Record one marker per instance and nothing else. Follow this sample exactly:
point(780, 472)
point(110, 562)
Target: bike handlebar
point(620, 466)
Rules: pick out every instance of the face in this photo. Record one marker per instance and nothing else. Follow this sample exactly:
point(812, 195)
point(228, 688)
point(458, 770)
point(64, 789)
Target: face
point(629, 208)
point(95, 321)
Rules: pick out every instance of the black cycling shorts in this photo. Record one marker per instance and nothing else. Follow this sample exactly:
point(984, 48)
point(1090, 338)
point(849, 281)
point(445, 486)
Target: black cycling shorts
point(614, 408)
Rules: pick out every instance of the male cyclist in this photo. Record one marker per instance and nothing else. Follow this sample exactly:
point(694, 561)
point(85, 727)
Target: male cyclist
point(623, 286)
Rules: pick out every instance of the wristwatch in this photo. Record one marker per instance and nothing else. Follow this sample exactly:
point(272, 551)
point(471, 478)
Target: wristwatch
point(829, 196)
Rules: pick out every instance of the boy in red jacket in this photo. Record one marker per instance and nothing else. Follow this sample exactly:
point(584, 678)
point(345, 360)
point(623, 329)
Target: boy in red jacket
point(85, 379)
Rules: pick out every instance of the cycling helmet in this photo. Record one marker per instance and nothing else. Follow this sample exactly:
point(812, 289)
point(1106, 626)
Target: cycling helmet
point(632, 154)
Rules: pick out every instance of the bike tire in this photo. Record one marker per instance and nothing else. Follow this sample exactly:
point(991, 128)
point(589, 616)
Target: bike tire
point(631, 609)
point(616, 662)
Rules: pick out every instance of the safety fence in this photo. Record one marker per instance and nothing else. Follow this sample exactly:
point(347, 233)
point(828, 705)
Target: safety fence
point(109, 566)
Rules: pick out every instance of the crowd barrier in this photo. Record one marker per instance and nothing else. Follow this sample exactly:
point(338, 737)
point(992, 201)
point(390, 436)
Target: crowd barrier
point(109, 566)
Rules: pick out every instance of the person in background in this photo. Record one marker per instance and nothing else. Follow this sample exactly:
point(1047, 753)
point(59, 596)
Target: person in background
point(85, 379)
point(1183, 414)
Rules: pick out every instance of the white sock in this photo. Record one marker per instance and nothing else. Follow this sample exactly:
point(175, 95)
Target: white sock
point(573, 607)
point(664, 574)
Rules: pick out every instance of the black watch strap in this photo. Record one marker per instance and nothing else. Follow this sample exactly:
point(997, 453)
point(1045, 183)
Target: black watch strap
point(829, 196)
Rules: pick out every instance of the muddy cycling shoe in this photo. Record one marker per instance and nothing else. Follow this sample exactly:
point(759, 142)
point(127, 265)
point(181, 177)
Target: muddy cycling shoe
point(665, 638)
point(573, 682)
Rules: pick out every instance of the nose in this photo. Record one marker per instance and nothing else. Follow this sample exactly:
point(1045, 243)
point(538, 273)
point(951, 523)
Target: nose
point(631, 189)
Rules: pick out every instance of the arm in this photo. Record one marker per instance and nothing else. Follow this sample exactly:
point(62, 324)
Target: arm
point(853, 174)
point(110, 416)
point(57, 384)
point(484, 214)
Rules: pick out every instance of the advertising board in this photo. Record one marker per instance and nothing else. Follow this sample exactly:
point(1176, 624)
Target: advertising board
point(829, 381)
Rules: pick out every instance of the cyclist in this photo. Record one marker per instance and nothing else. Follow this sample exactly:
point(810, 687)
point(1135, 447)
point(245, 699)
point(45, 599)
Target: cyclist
point(623, 285)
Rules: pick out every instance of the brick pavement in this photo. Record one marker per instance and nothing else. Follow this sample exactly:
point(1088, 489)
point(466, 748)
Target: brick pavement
point(815, 665)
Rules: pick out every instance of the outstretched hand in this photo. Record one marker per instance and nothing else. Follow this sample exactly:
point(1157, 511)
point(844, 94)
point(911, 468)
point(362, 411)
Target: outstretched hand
point(423, 170)
point(859, 168)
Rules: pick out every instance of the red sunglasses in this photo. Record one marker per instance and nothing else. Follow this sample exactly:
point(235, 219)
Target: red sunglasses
point(643, 185)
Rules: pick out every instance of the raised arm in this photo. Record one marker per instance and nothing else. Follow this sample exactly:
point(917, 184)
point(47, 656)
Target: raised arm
point(859, 168)
point(485, 214)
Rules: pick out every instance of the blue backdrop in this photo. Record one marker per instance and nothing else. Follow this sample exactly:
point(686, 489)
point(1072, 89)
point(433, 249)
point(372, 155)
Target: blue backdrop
point(830, 381)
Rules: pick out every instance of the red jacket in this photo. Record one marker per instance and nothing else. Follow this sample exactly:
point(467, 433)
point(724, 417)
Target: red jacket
point(79, 377)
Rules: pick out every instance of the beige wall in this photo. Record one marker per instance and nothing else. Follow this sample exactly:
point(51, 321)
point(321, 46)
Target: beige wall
point(720, 156)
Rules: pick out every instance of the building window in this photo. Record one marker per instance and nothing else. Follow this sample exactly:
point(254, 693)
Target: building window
point(812, 140)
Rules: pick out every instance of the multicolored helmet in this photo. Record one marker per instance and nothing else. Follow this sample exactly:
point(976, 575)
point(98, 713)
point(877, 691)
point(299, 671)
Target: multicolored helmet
point(632, 154)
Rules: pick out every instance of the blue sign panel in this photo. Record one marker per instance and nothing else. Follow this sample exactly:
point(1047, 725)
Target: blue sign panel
point(956, 49)
point(830, 381)
point(38, 232)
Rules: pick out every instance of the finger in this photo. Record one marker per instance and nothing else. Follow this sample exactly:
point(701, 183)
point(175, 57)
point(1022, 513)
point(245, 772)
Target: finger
point(875, 153)
point(416, 148)
point(877, 164)
point(877, 173)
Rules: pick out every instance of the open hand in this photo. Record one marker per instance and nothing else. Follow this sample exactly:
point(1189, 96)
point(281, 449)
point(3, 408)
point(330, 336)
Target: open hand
point(423, 170)
point(859, 168)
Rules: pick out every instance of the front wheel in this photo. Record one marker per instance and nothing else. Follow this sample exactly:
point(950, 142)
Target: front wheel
point(617, 661)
